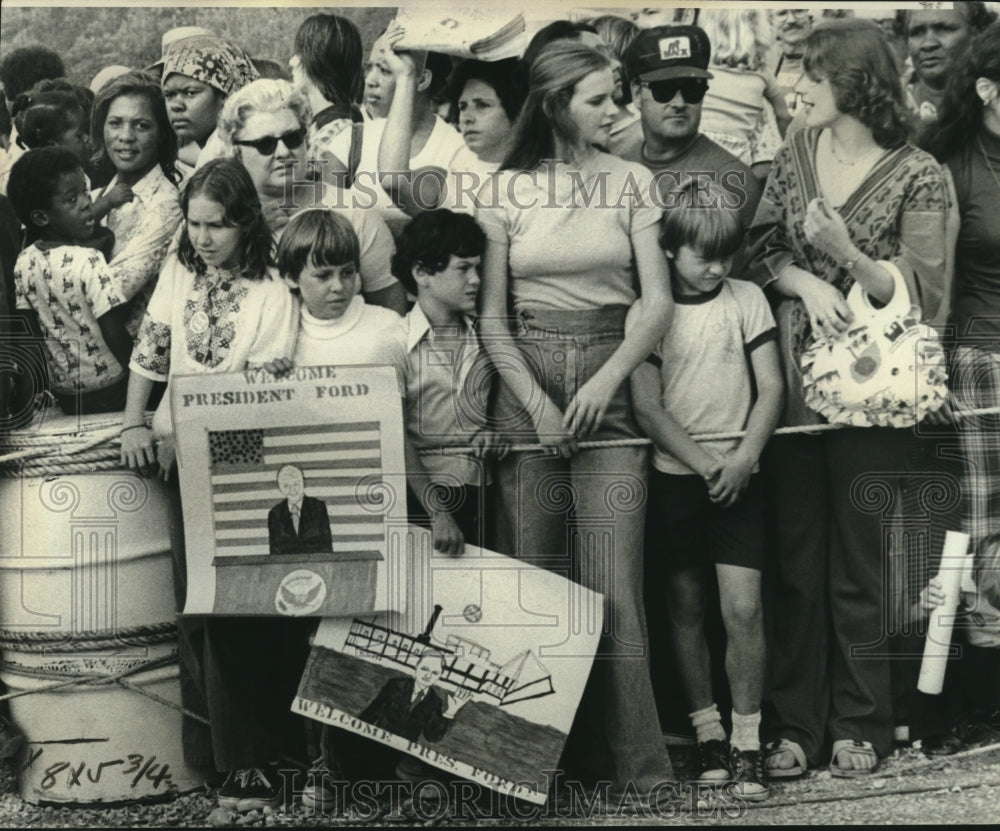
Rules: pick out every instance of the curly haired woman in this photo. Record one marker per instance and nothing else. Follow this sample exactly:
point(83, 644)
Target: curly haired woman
point(846, 192)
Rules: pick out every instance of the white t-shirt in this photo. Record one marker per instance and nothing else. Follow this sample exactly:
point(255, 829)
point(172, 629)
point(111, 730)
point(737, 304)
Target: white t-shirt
point(704, 363)
point(465, 178)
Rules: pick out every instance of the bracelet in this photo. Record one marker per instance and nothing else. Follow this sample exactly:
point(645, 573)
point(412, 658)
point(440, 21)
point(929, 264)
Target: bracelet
point(133, 427)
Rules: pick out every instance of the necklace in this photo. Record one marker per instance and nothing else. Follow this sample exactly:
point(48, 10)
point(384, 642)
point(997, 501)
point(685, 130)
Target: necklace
point(989, 164)
point(863, 157)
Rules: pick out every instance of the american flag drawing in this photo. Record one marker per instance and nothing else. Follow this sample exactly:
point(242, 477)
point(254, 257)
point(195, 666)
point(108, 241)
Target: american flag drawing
point(340, 463)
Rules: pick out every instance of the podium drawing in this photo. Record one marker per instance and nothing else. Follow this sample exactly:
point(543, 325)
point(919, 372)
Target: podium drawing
point(289, 516)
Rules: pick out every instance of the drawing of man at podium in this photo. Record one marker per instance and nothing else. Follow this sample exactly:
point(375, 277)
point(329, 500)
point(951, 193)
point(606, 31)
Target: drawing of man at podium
point(299, 524)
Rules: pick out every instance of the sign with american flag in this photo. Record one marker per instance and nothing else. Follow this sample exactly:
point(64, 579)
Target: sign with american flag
point(341, 465)
point(289, 487)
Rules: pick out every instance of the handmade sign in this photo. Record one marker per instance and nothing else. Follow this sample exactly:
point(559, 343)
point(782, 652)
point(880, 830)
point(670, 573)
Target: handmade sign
point(480, 677)
point(288, 487)
point(470, 32)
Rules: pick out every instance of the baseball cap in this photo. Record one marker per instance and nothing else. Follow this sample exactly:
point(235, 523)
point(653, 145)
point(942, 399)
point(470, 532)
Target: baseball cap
point(665, 52)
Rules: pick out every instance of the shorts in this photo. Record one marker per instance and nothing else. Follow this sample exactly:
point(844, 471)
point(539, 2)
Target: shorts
point(687, 530)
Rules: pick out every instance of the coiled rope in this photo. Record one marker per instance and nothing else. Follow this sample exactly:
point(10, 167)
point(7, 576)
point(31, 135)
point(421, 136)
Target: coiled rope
point(69, 643)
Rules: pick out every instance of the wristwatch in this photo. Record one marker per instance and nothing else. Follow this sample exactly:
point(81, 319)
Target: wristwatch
point(850, 262)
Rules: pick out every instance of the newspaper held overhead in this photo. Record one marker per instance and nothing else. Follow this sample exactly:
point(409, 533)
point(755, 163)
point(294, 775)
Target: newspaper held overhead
point(485, 34)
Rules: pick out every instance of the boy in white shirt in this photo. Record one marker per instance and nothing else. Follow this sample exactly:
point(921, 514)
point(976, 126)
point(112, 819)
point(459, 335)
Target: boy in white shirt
point(717, 370)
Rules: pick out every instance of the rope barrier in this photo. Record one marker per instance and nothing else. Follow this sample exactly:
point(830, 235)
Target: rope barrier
point(101, 451)
point(43, 642)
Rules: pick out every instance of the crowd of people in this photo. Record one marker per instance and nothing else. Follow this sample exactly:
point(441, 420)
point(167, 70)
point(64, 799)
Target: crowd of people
point(639, 228)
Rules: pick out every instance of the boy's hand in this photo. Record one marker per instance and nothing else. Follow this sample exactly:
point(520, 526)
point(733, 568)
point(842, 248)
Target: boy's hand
point(732, 479)
point(446, 535)
point(489, 443)
point(279, 367)
point(709, 470)
point(137, 451)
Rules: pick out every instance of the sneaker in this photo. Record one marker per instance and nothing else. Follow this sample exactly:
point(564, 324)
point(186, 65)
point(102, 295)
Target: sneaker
point(251, 789)
point(11, 739)
point(411, 769)
point(319, 794)
point(713, 762)
point(749, 782)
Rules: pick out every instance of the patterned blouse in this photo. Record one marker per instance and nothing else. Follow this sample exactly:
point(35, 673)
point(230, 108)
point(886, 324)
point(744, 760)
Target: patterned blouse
point(898, 213)
point(212, 322)
point(143, 229)
point(70, 287)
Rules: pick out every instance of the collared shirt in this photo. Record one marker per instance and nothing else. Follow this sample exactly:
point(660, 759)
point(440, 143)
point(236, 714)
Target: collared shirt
point(143, 229)
point(442, 405)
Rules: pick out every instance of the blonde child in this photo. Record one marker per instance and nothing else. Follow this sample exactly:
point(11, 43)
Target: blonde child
point(733, 112)
point(705, 506)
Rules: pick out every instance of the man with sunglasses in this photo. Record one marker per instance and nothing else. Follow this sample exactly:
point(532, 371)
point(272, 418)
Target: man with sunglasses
point(668, 69)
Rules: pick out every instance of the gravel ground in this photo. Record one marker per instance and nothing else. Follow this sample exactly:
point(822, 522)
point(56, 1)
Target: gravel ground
point(908, 788)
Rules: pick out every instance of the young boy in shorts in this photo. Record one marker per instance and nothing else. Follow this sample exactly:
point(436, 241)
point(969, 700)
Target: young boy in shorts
point(716, 371)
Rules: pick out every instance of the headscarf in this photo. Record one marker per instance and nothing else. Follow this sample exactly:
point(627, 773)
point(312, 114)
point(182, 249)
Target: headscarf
point(211, 60)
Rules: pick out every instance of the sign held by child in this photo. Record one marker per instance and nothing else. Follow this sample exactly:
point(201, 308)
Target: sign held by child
point(286, 485)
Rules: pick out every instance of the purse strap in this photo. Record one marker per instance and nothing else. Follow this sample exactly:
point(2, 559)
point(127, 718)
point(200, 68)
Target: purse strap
point(860, 301)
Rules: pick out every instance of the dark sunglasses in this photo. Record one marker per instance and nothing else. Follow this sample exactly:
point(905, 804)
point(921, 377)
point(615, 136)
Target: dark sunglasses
point(691, 89)
point(266, 145)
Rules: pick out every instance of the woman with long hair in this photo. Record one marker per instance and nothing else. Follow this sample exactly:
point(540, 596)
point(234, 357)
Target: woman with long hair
point(845, 192)
point(570, 268)
point(219, 307)
point(327, 67)
point(132, 137)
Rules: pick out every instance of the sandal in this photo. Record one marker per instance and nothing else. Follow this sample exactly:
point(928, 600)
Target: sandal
point(783, 749)
point(861, 756)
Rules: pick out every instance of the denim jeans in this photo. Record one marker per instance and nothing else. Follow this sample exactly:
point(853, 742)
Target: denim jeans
point(584, 518)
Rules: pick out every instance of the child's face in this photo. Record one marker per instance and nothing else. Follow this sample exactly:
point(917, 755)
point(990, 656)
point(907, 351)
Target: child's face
point(696, 274)
point(76, 139)
point(455, 288)
point(70, 213)
point(217, 243)
point(327, 290)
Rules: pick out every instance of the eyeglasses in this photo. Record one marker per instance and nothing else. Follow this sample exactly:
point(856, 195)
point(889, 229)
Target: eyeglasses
point(691, 89)
point(266, 145)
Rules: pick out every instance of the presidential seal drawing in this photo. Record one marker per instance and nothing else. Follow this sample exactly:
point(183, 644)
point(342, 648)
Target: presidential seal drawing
point(301, 592)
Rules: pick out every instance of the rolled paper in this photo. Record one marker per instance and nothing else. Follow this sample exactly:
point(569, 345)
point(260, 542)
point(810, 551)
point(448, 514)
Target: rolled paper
point(954, 561)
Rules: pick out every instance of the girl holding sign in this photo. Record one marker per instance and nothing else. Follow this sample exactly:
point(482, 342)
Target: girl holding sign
point(219, 307)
